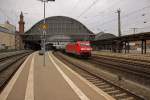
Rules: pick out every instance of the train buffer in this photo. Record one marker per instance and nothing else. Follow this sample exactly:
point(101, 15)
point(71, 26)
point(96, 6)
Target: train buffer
point(54, 81)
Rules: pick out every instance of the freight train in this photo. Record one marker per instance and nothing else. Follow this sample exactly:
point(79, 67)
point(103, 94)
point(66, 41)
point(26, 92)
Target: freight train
point(79, 48)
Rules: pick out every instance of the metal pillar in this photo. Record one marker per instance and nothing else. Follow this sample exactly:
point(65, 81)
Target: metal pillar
point(119, 46)
point(145, 47)
point(128, 47)
point(142, 47)
point(112, 49)
point(119, 23)
point(44, 29)
point(44, 34)
point(125, 47)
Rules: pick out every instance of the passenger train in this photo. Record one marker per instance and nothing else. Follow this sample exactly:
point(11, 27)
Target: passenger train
point(79, 48)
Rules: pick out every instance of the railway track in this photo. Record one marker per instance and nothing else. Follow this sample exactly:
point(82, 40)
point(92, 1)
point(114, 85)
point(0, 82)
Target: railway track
point(4, 56)
point(126, 59)
point(115, 91)
point(9, 65)
point(129, 66)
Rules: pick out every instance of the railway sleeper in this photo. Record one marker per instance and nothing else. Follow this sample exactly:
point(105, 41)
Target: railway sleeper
point(109, 89)
point(99, 83)
point(114, 92)
point(104, 86)
point(121, 95)
point(96, 80)
point(89, 77)
point(128, 98)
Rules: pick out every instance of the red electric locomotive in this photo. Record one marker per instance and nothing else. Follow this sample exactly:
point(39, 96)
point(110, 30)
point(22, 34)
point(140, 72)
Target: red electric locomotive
point(80, 48)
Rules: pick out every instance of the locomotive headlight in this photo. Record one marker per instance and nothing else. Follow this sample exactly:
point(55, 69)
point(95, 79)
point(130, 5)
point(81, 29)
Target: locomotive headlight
point(82, 48)
point(89, 49)
point(86, 48)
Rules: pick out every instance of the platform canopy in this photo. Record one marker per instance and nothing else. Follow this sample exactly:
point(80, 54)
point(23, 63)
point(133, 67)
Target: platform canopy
point(102, 36)
point(59, 26)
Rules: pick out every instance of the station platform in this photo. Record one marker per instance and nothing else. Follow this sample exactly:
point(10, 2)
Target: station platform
point(54, 81)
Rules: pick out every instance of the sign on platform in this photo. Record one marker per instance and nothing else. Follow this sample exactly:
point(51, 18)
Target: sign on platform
point(44, 26)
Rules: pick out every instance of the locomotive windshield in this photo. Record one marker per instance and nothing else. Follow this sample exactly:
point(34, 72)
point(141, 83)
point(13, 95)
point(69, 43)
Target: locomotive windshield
point(84, 44)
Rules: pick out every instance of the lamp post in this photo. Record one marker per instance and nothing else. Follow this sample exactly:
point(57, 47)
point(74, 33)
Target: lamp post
point(44, 29)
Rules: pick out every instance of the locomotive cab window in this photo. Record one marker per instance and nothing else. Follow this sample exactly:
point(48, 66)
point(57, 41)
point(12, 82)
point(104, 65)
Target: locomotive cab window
point(84, 44)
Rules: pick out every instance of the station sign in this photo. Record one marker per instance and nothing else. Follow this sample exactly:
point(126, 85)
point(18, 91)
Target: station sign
point(44, 26)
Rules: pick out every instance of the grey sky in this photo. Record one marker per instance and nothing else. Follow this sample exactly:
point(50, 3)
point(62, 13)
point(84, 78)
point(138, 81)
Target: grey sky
point(97, 15)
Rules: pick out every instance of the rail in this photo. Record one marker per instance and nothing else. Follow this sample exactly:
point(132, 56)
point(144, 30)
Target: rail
point(115, 91)
point(9, 63)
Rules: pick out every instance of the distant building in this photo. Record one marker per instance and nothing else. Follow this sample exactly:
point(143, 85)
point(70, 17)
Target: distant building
point(102, 36)
point(10, 28)
point(19, 40)
point(7, 36)
point(136, 45)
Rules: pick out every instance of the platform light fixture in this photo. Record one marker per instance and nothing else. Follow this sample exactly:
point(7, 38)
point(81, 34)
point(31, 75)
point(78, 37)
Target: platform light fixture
point(44, 30)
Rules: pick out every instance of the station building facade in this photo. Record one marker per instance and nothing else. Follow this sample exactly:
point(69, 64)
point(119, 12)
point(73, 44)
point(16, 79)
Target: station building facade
point(7, 36)
point(60, 31)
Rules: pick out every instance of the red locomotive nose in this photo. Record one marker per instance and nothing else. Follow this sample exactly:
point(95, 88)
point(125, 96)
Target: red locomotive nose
point(86, 49)
point(80, 48)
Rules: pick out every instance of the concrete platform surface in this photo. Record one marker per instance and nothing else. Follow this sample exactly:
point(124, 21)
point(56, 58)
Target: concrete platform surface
point(54, 81)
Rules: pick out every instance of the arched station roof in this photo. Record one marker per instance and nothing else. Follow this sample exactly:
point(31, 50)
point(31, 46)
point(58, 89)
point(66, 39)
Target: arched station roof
point(102, 36)
point(59, 25)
